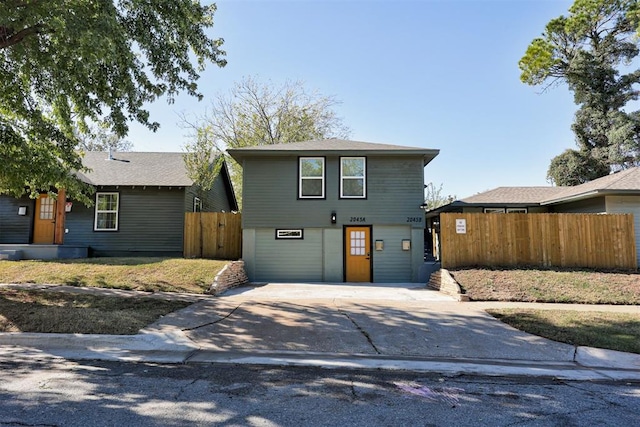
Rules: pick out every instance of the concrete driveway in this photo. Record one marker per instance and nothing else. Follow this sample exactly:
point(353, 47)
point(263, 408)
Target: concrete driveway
point(389, 320)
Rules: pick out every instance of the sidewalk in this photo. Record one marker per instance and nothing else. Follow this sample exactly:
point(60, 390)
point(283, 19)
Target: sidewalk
point(397, 326)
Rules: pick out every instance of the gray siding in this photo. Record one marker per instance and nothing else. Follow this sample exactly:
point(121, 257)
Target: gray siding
point(214, 200)
point(15, 228)
point(627, 204)
point(286, 260)
point(394, 194)
point(151, 222)
point(392, 264)
point(594, 205)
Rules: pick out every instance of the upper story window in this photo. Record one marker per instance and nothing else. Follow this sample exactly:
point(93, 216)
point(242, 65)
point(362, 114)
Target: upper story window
point(197, 204)
point(107, 205)
point(353, 182)
point(311, 180)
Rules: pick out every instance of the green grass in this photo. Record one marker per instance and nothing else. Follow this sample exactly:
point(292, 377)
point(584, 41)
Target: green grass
point(555, 286)
point(58, 312)
point(144, 274)
point(614, 331)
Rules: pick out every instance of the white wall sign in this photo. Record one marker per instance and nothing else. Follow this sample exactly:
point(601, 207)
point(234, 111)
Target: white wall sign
point(461, 226)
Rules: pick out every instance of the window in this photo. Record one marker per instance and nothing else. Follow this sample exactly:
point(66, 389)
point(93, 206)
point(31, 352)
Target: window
point(197, 204)
point(516, 210)
point(352, 177)
point(493, 210)
point(288, 234)
point(106, 212)
point(311, 183)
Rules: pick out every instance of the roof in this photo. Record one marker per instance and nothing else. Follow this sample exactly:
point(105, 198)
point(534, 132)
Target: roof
point(625, 181)
point(332, 146)
point(135, 168)
point(519, 195)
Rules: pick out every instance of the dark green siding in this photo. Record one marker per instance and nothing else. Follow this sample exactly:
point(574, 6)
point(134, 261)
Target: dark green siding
point(394, 194)
point(15, 228)
point(150, 222)
point(215, 200)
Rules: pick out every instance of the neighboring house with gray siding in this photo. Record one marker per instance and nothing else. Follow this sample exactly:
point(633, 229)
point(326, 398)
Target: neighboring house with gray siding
point(140, 202)
point(333, 211)
point(615, 193)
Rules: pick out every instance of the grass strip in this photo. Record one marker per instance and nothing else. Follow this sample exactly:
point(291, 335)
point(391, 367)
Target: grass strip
point(57, 312)
point(142, 274)
point(613, 331)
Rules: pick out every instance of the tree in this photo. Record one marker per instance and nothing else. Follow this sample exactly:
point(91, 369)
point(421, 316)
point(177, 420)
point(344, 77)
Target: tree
point(255, 113)
point(100, 138)
point(588, 50)
point(203, 161)
point(64, 63)
point(434, 198)
point(574, 167)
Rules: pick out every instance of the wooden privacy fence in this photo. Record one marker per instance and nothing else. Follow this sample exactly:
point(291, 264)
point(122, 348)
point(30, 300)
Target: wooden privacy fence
point(544, 240)
point(215, 235)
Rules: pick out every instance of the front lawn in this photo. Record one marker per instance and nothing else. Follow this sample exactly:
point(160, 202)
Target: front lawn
point(143, 274)
point(555, 286)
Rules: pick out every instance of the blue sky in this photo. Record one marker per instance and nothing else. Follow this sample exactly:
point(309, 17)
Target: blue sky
point(432, 73)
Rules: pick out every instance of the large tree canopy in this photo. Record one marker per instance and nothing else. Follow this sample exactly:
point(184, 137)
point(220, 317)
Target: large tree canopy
point(255, 113)
point(591, 50)
point(67, 63)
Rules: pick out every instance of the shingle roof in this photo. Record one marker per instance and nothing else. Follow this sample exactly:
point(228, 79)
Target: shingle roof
point(328, 146)
point(627, 180)
point(135, 168)
point(516, 195)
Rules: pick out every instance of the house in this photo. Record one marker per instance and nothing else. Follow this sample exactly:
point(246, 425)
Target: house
point(140, 202)
point(333, 211)
point(615, 193)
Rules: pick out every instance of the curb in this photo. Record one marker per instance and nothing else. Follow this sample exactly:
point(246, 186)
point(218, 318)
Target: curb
point(173, 347)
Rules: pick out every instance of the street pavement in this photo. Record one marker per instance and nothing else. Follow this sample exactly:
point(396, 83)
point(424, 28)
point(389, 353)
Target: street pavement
point(359, 326)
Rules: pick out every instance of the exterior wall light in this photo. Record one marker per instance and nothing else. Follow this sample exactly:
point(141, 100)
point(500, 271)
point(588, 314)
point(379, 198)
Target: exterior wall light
point(22, 210)
point(334, 217)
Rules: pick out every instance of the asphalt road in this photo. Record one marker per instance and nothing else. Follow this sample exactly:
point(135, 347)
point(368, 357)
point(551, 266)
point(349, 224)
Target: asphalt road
point(60, 393)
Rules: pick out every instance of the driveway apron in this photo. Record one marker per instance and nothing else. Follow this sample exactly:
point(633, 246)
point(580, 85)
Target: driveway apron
point(394, 320)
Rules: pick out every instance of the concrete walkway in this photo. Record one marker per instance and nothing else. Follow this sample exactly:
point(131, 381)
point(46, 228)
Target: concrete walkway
point(394, 326)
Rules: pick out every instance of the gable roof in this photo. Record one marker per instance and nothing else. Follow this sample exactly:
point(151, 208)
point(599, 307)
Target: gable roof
point(135, 168)
point(332, 146)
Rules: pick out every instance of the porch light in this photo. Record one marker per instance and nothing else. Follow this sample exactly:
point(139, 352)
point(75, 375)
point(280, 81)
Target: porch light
point(334, 217)
point(22, 210)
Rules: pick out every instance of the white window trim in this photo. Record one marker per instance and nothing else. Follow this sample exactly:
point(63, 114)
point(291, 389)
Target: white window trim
point(363, 177)
point(197, 203)
point(289, 234)
point(116, 211)
point(517, 210)
point(494, 210)
point(301, 178)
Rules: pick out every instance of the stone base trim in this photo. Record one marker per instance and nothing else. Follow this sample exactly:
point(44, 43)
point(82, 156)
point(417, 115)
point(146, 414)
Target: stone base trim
point(230, 276)
point(442, 281)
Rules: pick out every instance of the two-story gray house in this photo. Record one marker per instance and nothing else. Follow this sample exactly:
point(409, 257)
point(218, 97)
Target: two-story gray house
point(333, 211)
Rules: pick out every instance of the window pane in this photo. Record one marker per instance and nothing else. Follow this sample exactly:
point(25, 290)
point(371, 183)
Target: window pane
point(352, 167)
point(107, 202)
point(107, 221)
point(353, 187)
point(312, 187)
point(311, 167)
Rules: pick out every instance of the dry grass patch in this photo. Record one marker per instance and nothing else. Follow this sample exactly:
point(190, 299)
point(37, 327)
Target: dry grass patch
point(559, 286)
point(143, 274)
point(613, 331)
point(57, 312)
